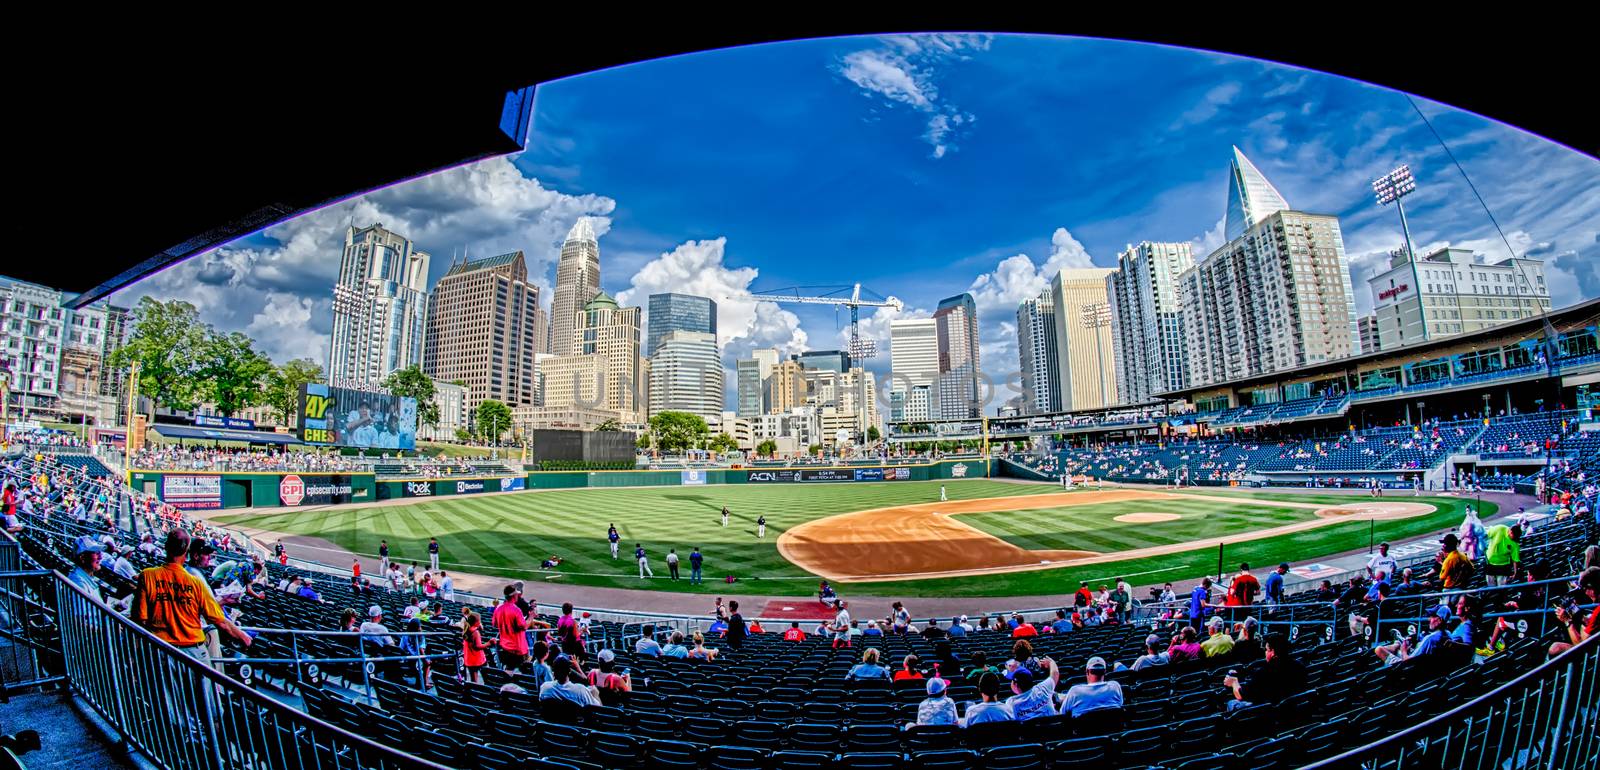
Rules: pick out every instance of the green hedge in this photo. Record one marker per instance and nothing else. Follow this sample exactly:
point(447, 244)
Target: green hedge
point(584, 465)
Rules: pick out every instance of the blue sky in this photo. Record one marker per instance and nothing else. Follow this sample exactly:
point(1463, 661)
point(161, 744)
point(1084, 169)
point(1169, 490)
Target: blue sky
point(922, 167)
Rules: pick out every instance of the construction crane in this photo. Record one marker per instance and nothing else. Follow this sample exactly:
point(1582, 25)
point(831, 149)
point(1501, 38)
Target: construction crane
point(859, 348)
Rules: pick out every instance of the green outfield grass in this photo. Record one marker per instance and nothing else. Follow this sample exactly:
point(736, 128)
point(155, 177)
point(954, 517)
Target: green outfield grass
point(510, 534)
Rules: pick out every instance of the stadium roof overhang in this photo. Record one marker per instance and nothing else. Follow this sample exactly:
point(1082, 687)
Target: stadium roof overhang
point(189, 432)
point(166, 144)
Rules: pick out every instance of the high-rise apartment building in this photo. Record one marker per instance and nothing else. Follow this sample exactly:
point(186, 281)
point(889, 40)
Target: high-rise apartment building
point(485, 327)
point(1450, 292)
point(754, 386)
point(380, 307)
point(686, 375)
point(679, 312)
point(786, 388)
point(1084, 348)
point(1367, 331)
point(1147, 321)
point(1036, 354)
point(957, 391)
point(577, 282)
point(914, 367)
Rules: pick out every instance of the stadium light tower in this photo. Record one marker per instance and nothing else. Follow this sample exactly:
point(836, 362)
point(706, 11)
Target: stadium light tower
point(1393, 187)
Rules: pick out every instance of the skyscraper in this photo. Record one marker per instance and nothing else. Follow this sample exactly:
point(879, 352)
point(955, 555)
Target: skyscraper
point(786, 387)
point(754, 374)
point(609, 331)
point(679, 312)
point(914, 367)
point(1146, 320)
point(1036, 353)
point(380, 307)
point(485, 327)
point(1083, 338)
point(956, 391)
point(577, 282)
point(1251, 198)
point(686, 375)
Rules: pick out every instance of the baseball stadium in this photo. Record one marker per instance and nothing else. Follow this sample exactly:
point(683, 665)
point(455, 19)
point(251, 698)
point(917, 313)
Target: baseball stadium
point(1213, 520)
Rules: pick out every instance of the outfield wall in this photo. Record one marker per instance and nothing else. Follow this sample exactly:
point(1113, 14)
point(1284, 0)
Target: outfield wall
point(209, 490)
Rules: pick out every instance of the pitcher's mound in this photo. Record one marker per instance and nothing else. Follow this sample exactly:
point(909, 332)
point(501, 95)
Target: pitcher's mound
point(1146, 518)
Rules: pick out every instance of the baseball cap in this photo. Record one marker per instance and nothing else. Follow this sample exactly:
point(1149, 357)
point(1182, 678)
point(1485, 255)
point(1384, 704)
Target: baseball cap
point(1215, 622)
point(936, 686)
point(1442, 612)
point(1022, 677)
point(374, 611)
point(512, 589)
point(199, 547)
point(87, 544)
point(606, 656)
point(1153, 640)
point(1096, 663)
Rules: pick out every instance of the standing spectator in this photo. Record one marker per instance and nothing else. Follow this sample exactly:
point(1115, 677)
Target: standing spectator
point(171, 603)
point(1083, 597)
point(841, 626)
point(1382, 562)
point(447, 587)
point(1274, 587)
point(1095, 693)
point(695, 560)
point(989, 709)
point(1121, 601)
point(672, 563)
point(1036, 700)
point(355, 569)
point(568, 632)
point(473, 648)
point(736, 628)
point(1199, 600)
point(1242, 591)
point(937, 708)
point(1278, 678)
point(1503, 554)
point(511, 624)
point(902, 618)
point(644, 561)
point(433, 554)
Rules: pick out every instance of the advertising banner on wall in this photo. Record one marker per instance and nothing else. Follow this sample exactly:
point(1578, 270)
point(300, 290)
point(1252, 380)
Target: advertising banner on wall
point(694, 478)
point(192, 492)
point(418, 489)
point(295, 490)
point(769, 477)
point(827, 474)
point(469, 487)
point(513, 483)
point(869, 474)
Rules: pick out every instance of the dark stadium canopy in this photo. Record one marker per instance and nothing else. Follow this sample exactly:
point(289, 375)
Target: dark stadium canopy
point(224, 434)
point(148, 149)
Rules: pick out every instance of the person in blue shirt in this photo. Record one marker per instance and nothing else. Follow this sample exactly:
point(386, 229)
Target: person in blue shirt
point(868, 668)
point(958, 626)
point(695, 560)
point(675, 647)
point(1274, 587)
point(1198, 602)
point(990, 709)
point(1094, 693)
point(1061, 624)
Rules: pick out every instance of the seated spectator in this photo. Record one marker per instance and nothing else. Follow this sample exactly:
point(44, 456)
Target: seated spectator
point(1061, 624)
point(1033, 700)
point(1153, 655)
point(609, 685)
point(794, 634)
point(1023, 628)
point(308, 593)
point(675, 647)
point(980, 666)
point(989, 709)
point(1219, 643)
point(959, 627)
point(1246, 644)
point(1578, 628)
point(700, 650)
point(872, 628)
point(568, 682)
point(868, 668)
point(937, 708)
point(1184, 646)
point(374, 630)
point(1096, 693)
point(933, 631)
point(647, 644)
point(908, 669)
point(1278, 678)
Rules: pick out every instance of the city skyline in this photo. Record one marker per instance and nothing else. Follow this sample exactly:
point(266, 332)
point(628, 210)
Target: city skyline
point(910, 120)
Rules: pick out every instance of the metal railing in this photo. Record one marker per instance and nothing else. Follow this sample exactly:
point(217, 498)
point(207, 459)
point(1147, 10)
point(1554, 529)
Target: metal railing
point(183, 715)
point(1547, 718)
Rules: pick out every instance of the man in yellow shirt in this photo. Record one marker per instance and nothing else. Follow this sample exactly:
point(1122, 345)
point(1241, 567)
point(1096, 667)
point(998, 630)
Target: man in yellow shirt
point(171, 602)
point(1455, 570)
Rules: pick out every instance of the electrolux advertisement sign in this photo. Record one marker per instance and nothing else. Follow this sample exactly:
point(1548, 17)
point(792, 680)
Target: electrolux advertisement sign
point(471, 487)
point(769, 477)
point(295, 490)
point(192, 492)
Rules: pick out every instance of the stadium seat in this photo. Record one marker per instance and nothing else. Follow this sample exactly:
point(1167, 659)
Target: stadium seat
point(1021, 756)
point(1078, 753)
point(561, 740)
point(673, 753)
point(1099, 722)
point(704, 729)
point(1143, 746)
point(872, 738)
point(994, 734)
point(758, 734)
point(735, 758)
point(616, 750)
point(862, 760)
point(924, 738)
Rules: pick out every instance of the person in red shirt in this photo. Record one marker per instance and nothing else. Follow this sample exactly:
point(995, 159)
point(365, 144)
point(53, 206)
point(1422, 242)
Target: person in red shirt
point(512, 627)
point(355, 569)
point(1577, 627)
point(1023, 629)
point(473, 648)
point(794, 634)
point(908, 669)
point(1084, 597)
point(1242, 592)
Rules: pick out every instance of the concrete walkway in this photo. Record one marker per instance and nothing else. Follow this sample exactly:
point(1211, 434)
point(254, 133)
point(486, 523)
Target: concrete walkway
point(549, 589)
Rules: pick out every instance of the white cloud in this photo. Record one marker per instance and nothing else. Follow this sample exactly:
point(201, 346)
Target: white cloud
point(1017, 278)
point(1208, 241)
point(1208, 106)
point(484, 208)
point(903, 71)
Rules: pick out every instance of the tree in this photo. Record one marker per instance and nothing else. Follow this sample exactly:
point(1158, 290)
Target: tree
point(677, 430)
point(722, 442)
point(610, 425)
point(767, 448)
point(643, 442)
point(494, 418)
point(282, 393)
point(166, 341)
point(813, 449)
point(463, 435)
point(410, 382)
point(872, 433)
point(231, 373)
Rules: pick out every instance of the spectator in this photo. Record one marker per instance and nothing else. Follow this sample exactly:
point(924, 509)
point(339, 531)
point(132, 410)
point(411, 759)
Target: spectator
point(1083, 597)
point(1382, 562)
point(1199, 600)
point(675, 648)
point(87, 558)
point(909, 669)
point(1278, 678)
point(1219, 643)
point(647, 644)
point(1096, 693)
point(794, 634)
point(1153, 656)
point(473, 649)
point(1274, 587)
point(868, 668)
point(902, 619)
point(511, 624)
point(736, 629)
point(1023, 628)
point(980, 666)
point(1413, 647)
point(1576, 626)
point(609, 685)
point(1061, 624)
point(1184, 646)
point(171, 603)
point(1121, 601)
point(1503, 554)
point(1242, 591)
point(989, 709)
point(568, 635)
point(933, 632)
point(937, 708)
point(568, 683)
point(1035, 700)
point(374, 630)
point(1246, 644)
point(701, 651)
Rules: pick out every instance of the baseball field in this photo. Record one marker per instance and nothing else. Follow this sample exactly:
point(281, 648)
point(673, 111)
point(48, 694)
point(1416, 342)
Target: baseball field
point(991, 538)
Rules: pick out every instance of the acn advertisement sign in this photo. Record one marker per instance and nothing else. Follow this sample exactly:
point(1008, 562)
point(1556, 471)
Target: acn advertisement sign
point(770, 477)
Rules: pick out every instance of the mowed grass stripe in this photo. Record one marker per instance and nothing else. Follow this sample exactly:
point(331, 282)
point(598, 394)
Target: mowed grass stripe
point(1094, 527)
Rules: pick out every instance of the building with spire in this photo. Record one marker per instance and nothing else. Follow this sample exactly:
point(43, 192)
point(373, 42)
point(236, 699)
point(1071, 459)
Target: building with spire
point(380, 307)
point(1275, 296)
point(485, 328)
point(577, 282)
